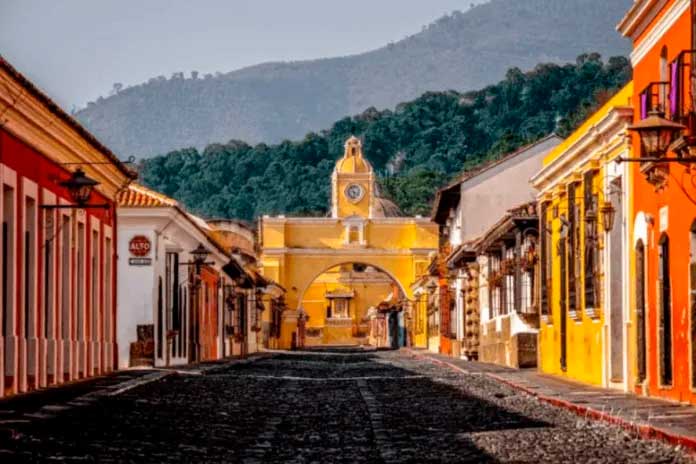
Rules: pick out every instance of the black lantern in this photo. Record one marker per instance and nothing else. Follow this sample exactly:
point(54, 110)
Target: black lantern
point(79, 186)
point(200, 253)
point(656, 134)
point(608, 212)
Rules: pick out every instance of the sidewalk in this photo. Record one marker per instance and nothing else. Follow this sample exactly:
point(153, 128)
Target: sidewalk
point(646, 417)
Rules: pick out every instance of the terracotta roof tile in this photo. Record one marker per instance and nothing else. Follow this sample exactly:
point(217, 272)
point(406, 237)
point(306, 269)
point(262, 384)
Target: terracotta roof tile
point(142, 197)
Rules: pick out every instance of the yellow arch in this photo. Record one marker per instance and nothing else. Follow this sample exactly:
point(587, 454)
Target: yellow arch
point(302, 293)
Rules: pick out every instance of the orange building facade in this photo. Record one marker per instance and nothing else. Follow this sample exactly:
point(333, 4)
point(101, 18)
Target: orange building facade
point(663, 241)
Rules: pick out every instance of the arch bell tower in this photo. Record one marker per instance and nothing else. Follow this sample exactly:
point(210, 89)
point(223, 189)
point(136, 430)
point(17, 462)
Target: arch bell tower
point(352, 183)
point(361, 228)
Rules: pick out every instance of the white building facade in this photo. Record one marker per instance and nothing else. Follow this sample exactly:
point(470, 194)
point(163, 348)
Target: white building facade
point(466, 210)
point(172, 311)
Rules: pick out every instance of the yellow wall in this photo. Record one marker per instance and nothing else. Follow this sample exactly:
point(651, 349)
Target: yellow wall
point(585, 332)
point(348, 208)
point(331, 233)
point(316, 248)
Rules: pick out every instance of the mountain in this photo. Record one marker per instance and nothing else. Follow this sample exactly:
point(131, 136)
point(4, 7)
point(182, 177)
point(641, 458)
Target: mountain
point(276, 101)
point(415, 148)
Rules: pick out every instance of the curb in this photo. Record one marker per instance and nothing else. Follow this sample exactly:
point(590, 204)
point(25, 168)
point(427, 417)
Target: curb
point(643, 431)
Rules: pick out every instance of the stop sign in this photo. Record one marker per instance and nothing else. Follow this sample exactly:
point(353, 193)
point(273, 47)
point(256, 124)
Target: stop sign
point(139, 246)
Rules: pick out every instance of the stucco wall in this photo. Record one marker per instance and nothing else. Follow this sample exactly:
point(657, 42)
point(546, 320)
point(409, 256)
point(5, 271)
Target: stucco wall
point(487, 197)
point(136, 285)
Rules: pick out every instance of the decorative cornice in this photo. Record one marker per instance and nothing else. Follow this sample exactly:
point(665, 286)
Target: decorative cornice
point(348, 251)
point(313, 221)
point(610, 128)
point(30, 119)
point(652, 37)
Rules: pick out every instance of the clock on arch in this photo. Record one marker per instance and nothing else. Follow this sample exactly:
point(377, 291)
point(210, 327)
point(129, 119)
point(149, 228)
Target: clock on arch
point(354, 192)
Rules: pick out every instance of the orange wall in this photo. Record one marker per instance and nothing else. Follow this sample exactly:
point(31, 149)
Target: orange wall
point(682, 211)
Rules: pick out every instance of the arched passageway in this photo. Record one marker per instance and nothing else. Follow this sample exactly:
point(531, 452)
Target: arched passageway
point(352, 303)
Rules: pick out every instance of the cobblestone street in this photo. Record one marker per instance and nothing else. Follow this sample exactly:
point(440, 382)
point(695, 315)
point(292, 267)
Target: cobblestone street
point(319, 407)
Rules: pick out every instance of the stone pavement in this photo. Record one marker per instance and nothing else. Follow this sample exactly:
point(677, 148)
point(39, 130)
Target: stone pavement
point(647, 417)
point(324, 407)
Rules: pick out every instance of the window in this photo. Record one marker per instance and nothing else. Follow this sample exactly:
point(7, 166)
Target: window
point(452, 313)
point(160, 318)
point(65, 276)
point(527, 279)
point(29, 267)
point(8, 272)
point(692, 302)
point(172, 294)
point(107, 293)
point(340, 308)
point(65, 288)
point(574, 288)
point(80, 290)
point(94, 297)
point(562, 300)
point(509, 282)
point(49, 275)
point(591, 252)
point(665, 316)
point(545, 259)
point(640, 309)
point(495, 282)
point(353, 234)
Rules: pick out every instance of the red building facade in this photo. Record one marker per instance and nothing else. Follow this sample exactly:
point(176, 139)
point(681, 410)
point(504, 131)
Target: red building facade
point(58, 264)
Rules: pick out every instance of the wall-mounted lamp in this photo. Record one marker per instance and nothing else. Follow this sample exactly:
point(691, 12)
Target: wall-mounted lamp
point(608, 213)
point(80, 188)
point(656, 134)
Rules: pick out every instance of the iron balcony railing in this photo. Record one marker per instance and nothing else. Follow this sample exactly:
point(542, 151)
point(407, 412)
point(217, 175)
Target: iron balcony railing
point(681, 107)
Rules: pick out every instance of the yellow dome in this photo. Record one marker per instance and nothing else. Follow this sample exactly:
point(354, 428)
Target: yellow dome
point(353, 160)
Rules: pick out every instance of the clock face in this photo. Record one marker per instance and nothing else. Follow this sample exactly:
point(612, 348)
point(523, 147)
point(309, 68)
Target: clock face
point(354, 192)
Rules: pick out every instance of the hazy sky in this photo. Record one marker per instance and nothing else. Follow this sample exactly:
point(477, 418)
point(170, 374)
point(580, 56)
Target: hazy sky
point(76, 49)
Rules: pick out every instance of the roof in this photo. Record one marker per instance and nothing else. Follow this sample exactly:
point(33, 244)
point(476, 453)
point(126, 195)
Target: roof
point(66, 118)
point(466, 251)
point(353, 160)
point(444, 199)
point(622, 98)
point(387, 208)
point(137, 195)
point(519, 216)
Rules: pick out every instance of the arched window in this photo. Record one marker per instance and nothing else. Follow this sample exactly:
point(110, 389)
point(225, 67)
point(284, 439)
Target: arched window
point(665, 316)
point(640, 310)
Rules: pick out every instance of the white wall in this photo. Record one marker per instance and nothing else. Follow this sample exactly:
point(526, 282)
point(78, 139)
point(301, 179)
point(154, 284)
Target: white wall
point(136, 287)
point(488, 196)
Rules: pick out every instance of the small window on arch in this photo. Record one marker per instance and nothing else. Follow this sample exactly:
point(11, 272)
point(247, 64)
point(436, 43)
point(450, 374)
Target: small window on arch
point(353, 234)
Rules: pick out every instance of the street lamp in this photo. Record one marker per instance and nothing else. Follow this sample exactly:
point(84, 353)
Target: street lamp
point(199, 254)
point(80, 188)
point(608, 213)
point(656, 134)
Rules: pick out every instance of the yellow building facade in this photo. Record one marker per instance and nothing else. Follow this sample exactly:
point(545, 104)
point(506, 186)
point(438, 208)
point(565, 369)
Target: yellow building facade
point(315, 259)
point(584, 196)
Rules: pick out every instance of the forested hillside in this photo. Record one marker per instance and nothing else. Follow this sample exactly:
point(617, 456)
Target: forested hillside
point(416, 148)
point(275, 101)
